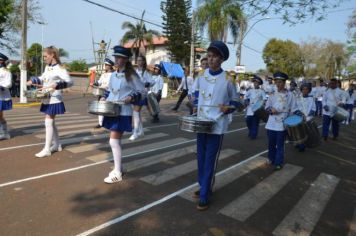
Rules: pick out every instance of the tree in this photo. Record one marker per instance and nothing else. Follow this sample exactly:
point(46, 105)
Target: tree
point(78, 66)
point(177, 28)
point(63, 53)
point(311, 50)
point(283, 56)
point(219, 17)
point(351, 44)
point(34, 54)
point(139, 34)
point(10, 22)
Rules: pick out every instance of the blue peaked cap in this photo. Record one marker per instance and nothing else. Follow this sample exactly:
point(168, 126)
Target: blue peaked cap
point(109, 62)
point(120, 51)
point(258, 79)
point(221, 47)
point(280, 75)
point(3, 57)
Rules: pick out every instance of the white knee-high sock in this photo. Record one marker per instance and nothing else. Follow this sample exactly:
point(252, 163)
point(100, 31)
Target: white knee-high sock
point(101, 118)
point(136, 120)
point(55, 135)
point(49, 133)
point(116, 152)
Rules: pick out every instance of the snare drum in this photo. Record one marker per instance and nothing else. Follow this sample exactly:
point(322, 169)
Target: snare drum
point(296, 129)
point(98, 92)
point(36, 94)
point(259, 110)
point(340, 114)
point(196, 124)
point(104, 108)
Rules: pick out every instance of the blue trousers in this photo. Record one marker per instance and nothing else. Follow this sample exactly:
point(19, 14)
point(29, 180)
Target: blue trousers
point(319, 108)
point(208, 150)
point(326, 125)
point(276, 146)
point(253, 123)
point(350, 108)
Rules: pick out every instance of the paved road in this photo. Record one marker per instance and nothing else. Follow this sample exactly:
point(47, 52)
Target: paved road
point(315, 194)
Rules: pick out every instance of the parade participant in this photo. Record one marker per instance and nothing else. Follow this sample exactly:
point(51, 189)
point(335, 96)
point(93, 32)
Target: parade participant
point(5, 96)
point(214, 92)
point(279, 105)
point(350, 102)
point(157, 88)
point(332, 98)
point(54, 78)
point(306, 105)
point(245, 85)
point(268, 86)
point(252, 97)
point(103, 83)
point(186, 84)
point(320, 90)
point(147, 81)
point(204, 64)
point(293, 87)
point(123, 87)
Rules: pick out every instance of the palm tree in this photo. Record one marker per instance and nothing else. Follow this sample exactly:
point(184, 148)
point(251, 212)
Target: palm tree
point(220, 16)
point(139, 34)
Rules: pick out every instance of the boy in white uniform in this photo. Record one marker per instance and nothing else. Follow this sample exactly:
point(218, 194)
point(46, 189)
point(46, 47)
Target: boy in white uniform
point(215, 96)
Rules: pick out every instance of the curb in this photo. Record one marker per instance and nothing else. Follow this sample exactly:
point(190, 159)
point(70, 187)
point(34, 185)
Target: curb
point(32, 104)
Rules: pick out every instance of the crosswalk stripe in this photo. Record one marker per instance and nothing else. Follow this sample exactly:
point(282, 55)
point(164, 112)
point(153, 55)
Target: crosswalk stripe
point(39, 117)
point(306, 213)
point(129, 151)
point(246, 205)
point(19, 114)
point(229, 176)
point(24, 124)
point(62, 127)
point(70, 132)
point(165, 156)
point(352, 231)
point(94, 146)
point(180, 170)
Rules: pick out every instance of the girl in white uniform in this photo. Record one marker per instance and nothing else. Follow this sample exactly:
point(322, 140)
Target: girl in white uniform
point(147, 81)
point(54, 78)
point(124, 85)
point(5, 97)
point(103, 83)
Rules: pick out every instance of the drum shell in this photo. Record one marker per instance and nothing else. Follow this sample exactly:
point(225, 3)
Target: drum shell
point(297, 134)
point(313, 134)
point(195, 125)
point(153, 106)
point(340, 114)
point(260, 111)
point(98, 92)
point(104, 108)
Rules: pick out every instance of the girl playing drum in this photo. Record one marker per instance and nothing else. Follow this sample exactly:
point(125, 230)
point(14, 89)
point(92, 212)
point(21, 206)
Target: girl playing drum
point(5, 97)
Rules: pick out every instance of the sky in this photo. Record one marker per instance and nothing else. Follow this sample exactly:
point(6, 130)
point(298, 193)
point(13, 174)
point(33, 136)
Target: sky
point(70, 25)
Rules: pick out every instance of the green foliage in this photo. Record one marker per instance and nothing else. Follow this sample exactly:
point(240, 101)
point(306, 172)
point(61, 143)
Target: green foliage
point(219, 16)
point(7, 7)
point(63, 53)
point(34, 55)
point(139, 34)
point(283, 56)
point(78, 66)
point(14, 69)
point(177, 27)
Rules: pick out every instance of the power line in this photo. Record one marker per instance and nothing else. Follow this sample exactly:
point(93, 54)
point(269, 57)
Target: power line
point(122, 13)
point(251, 48)
point(132, 7)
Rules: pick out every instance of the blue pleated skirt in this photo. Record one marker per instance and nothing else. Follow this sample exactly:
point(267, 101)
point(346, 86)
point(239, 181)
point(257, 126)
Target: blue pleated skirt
point(53, 109)
point(118, 124)
point(141, 102)
point(5, 105)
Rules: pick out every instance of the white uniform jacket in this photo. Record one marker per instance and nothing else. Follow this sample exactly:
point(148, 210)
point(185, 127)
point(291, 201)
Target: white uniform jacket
point(306, 105)
point(158, 83)
point(215, 90)
point(5, 83)
point(331, 99)
point(254, 95)
point(51, 76)
point(104, 80)
point(183, 83)
point(120, 89)
point(284, 102)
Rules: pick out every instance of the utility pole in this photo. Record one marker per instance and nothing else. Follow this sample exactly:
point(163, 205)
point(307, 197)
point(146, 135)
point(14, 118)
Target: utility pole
point(23, 80)
point(191, 64)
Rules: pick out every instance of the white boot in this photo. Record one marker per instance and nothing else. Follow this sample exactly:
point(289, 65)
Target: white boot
point(140, 132)
point(43, 153)
point(56, 147)
point(115, 175)
point(136, 123)
point(49, 123)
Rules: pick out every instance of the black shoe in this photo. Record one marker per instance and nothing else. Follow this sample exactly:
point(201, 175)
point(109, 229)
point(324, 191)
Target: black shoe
point(97, 127)
point(278, 167)
point(203, 205)
point(196, 194)
point(174, 109)
point(325, 138)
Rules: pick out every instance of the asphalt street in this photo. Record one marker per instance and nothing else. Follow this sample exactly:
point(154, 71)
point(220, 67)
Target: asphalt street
point(314, 194)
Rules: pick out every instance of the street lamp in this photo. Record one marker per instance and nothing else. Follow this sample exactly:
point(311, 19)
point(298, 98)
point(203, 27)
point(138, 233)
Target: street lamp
point(242, 37)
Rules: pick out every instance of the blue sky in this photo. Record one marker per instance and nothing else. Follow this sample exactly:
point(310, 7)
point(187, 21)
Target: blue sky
point(68, 27)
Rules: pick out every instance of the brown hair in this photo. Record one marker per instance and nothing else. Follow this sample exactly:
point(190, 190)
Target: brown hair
point(144, 63)
point(53, 51)
point(129, 71)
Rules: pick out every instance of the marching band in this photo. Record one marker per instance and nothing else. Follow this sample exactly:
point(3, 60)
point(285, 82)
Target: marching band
point(213, 96)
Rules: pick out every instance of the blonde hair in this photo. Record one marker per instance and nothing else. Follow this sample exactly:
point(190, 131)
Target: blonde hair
point(53, 51)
